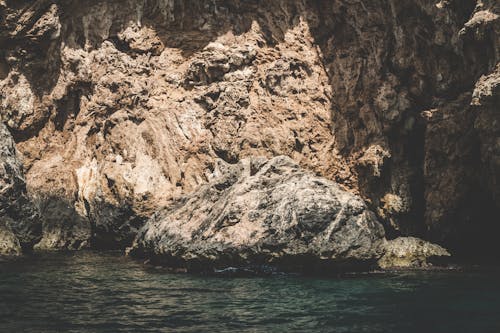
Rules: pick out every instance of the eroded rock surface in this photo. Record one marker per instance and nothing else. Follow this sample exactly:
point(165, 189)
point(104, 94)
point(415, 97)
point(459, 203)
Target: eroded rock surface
point(263, 212)
point(119, 106)
point(410, 252)
point(20, 227)
point(9, 244)
point(142, 97)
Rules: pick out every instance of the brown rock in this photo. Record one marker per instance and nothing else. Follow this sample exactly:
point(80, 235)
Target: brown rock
point(120, 106)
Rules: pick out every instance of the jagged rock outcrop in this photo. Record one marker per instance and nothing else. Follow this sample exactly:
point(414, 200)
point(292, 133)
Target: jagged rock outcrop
point(144, 97)
point(263, 212)
point(119, 106)
point(402, 112)
point(20, 227)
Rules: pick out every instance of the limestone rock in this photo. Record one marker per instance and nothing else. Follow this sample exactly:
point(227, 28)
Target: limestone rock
point(410, 252)
point(119, 106)
point(145, 96)
point(259, 212)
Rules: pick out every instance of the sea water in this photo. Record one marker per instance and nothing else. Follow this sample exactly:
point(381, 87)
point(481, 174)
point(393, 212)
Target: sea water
point(106, 292)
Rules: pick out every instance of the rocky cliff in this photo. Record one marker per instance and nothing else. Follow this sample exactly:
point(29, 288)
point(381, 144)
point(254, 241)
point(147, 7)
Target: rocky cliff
point(120, 107)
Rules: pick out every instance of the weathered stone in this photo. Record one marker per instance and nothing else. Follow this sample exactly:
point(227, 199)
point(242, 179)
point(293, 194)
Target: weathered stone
point(119, 106)
point(9, 244)
point(410, 252)
point(259, 212)
point(20, 227)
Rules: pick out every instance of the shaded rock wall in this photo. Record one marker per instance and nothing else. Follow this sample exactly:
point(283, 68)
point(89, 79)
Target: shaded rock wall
point(20, 227)
point(120, 106)
point(404, 75)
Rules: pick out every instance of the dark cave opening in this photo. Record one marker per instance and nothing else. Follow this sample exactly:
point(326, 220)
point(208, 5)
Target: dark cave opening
point(473, 231)
point(4, 68)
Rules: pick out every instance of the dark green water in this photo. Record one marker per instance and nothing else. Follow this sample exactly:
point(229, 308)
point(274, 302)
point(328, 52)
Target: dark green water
point(89, 292)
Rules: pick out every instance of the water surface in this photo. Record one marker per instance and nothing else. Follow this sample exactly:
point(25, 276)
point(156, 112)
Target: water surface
point(91, 292)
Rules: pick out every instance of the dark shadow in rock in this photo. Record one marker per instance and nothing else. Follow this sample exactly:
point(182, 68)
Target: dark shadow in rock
point(17, 213)
point(35, 48)
point(63, 227)
point(378, 40)
point(192, 33)
point(471, 233)
point(113, 228)
point(177, 27)
point(4, 67)
point(69, 106)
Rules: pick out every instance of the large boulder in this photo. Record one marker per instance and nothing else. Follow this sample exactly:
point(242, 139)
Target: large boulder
point(19, 221)
point(259, 212)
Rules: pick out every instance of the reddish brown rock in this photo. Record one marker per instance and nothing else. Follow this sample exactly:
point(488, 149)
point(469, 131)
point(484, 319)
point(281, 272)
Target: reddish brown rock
point(120, 106)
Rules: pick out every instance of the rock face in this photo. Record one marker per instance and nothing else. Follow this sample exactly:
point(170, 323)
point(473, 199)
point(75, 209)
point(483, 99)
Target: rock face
point(123, 105)
point(410, 252)
point(20, 227)
point(260, 212)
point(119, 106)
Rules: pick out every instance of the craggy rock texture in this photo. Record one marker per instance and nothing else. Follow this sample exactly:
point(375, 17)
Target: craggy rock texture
point(263, 212)
point(410, 252)
point(404, 114)
point(20, 227)
point(119, 106)
point(9, 244)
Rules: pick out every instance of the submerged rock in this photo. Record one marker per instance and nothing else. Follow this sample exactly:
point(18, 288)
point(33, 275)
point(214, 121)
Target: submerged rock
point(19, 225)
point(263, 211)
point(410, 252)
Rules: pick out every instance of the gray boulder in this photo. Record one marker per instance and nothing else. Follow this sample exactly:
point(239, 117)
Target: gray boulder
point(20, 227)
point(411, 252)
point(9, 244)
point(263, 212)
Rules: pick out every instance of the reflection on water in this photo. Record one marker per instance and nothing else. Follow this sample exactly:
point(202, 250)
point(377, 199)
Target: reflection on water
point(89, 292)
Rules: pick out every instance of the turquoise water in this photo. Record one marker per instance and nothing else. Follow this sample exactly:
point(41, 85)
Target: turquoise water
point(90, 292)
